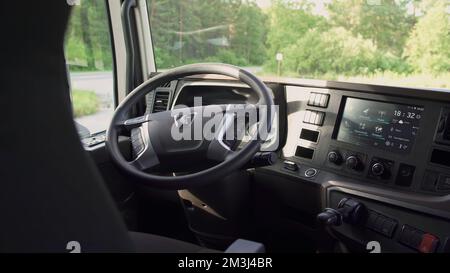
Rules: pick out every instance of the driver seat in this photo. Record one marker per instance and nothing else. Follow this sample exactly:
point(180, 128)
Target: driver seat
point(51, 193)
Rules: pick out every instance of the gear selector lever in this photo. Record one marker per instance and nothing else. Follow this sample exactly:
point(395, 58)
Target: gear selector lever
point(349, 211)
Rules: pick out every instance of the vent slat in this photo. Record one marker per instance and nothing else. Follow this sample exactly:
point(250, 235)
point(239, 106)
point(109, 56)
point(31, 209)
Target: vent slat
point(167, 84)
point(161, 101)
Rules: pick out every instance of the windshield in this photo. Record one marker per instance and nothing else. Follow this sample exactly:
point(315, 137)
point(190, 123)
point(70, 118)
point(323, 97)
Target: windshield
point(403, 42)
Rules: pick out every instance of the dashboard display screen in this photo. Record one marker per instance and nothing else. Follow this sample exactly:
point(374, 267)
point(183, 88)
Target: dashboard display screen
point(384, 125)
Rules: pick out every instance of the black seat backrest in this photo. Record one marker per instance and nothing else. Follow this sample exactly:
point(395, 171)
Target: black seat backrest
point(50, 191)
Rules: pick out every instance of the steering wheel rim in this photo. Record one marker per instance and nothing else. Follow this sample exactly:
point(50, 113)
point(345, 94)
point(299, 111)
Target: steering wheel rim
point(237, 160)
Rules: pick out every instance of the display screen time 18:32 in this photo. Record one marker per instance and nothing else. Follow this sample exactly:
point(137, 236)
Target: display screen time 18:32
point(379, 124)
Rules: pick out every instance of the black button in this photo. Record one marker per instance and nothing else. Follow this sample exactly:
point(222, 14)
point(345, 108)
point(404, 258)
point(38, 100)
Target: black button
point(310, 172)
point(430, 181)
point(405, 175)
point(388, 227)
point(372, 219)
point(416, 238)
point(406, 235)
point(379, 222)
point(444, 183)
point(411, 237)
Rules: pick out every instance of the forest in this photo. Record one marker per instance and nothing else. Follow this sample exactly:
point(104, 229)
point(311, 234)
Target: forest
point(382, 40)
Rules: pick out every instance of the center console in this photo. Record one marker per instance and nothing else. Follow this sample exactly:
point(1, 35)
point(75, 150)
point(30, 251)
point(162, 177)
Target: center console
point(386, 141)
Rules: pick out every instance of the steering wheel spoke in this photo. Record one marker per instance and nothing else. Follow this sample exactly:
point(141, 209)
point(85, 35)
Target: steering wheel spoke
point(145, 156)
point(219, 151)
point(221, 147)
point(132, 123)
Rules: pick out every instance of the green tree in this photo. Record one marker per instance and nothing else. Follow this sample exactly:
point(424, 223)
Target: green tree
point(249, 34)
point(216, 30)
point(88, 44)
point(387, 24)
point(289, 22)
point(335, 51)
point(428, 47)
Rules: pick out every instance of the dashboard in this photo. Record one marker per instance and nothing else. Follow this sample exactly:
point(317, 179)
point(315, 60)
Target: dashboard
point(387, 147)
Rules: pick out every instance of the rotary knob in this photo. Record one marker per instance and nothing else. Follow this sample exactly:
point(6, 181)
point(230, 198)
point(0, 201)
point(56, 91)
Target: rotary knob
point(378, 169)
point(353, 162)
point(335, 157)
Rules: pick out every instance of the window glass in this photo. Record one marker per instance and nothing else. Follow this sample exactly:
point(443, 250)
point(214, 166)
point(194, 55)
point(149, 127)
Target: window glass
point(90, 62)
point(389, 42)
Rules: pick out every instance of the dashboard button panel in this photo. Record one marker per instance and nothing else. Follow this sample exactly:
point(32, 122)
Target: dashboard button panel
point(318, 99)
point(314, 117)
point(381, 224)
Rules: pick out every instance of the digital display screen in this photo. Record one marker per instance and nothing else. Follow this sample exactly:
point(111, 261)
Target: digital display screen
point(384, 125)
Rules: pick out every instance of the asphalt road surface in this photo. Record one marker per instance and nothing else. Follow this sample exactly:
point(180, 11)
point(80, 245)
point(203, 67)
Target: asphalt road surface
point(102, 84)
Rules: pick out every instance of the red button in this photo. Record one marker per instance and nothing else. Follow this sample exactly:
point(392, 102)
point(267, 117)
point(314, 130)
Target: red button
point(428, 244)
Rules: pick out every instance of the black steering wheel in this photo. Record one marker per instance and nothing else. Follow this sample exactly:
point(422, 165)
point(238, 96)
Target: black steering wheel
point(153, 143)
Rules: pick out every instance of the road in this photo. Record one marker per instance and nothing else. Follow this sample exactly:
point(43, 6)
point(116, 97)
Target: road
point(102, 84)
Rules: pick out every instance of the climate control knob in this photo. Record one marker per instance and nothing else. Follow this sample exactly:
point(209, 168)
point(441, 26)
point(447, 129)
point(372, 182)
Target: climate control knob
point(378, 169)
point(335, 157)
point(353, 162)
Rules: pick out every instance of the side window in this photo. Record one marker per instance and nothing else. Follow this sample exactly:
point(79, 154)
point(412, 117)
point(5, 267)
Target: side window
point(90, 62)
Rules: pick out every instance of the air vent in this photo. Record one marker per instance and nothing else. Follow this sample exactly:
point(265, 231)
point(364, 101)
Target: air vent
point(161, 101)
point(167, 84)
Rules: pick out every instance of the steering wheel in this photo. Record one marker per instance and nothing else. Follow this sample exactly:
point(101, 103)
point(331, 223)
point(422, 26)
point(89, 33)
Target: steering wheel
point(152, 134)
